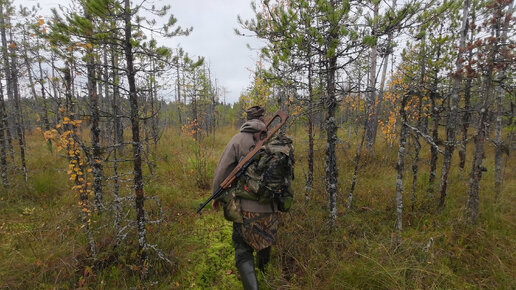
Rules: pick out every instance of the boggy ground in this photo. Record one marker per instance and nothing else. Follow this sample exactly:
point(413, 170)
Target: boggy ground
point(42, 244)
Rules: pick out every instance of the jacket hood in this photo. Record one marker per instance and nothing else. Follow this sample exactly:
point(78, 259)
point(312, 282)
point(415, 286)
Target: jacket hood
point(253, 126)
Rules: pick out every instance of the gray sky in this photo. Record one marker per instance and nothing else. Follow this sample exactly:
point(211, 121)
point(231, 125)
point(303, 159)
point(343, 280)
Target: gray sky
point(213, 37)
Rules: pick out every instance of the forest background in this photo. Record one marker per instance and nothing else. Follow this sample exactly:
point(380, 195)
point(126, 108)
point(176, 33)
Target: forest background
point(402, 116)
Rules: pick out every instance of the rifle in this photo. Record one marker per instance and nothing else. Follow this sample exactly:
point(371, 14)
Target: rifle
point(244, 163)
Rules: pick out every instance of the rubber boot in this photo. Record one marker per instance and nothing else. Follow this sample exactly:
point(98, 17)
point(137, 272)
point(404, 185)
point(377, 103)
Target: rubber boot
point(248, 275)
point(263, 257)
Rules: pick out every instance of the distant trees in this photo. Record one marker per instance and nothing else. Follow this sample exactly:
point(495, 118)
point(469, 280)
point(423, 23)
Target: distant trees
point(11, 71)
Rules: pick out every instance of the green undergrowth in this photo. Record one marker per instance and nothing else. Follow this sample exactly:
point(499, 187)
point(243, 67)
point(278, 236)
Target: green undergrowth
point(42, 245)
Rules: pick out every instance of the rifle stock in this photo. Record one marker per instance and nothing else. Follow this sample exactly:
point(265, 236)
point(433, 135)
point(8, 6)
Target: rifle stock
point(248, 159)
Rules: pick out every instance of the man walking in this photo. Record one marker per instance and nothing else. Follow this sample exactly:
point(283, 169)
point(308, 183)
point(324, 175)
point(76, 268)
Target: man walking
point(255, 224)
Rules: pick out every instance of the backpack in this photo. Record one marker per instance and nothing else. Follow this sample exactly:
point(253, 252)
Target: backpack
point(268, 178)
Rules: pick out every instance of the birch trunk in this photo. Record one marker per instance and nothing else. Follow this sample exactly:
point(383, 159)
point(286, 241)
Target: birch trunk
point(46, 122)
point(178, 100)
point(117, 205)
point(29, 67)
point(399, 168)
point(499, 109)
point(433, 152)
point(5, 126)
point(310, 124)
point(371, 89)
point(466, 117)
point(417, 149)
point(56, 93)
point(357, 166)
point(421, 122)
point(383, 78)
point(3, 136)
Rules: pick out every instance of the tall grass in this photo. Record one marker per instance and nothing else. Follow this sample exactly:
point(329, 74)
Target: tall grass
point(42, 245)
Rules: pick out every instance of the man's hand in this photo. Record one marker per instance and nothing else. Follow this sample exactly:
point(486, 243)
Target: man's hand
point(215, 204)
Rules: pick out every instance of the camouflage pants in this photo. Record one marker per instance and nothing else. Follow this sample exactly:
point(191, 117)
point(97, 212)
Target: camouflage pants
point(257, 233)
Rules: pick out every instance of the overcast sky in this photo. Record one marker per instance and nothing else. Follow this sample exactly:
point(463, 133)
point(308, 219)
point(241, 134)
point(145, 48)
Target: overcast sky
point(213, 37)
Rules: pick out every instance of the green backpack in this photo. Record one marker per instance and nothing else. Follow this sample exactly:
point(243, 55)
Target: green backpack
point(268, 178)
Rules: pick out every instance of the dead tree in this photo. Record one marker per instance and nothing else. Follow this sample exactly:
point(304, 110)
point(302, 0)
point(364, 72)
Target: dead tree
point(136, 143)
